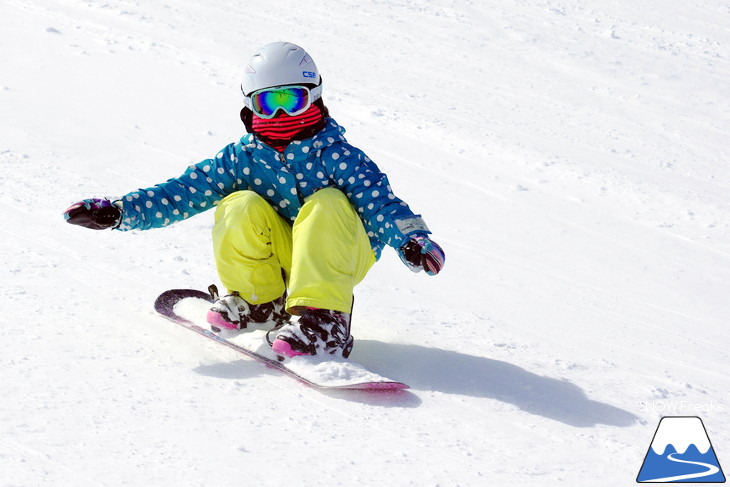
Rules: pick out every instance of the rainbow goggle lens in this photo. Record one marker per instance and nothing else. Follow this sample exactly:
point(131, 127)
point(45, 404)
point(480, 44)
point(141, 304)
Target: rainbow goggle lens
point(292, 99)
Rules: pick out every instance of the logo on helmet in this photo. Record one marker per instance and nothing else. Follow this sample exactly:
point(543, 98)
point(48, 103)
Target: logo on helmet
point(309, 74)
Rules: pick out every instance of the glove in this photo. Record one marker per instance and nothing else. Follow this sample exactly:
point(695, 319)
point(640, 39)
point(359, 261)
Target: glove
point(94, 213)
point(421, 253)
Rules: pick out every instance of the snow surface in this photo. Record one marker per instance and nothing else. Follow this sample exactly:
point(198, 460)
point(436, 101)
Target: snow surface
point(572, 158)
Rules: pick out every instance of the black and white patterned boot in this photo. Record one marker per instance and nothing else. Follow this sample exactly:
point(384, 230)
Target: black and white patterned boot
point(317, 332)
point(232, 312)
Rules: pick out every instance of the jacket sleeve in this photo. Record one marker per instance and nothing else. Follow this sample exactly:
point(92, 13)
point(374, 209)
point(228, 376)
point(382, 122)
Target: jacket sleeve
point(385, 216)
point(199, 188)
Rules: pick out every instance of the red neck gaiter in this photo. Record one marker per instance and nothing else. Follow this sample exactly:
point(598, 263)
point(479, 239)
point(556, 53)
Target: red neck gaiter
point(281, 130)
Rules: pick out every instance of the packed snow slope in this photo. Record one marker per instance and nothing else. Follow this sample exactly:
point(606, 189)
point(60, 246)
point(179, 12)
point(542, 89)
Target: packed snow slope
point(571, 157)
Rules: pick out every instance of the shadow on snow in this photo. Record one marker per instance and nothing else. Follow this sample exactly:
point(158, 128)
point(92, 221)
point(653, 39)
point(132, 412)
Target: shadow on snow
point(457, 373)
point(451, 372)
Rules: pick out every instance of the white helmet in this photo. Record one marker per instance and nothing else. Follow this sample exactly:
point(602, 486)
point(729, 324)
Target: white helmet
point(279, 64)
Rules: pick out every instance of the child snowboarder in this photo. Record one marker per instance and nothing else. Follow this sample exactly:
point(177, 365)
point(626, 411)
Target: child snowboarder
point(297, 209)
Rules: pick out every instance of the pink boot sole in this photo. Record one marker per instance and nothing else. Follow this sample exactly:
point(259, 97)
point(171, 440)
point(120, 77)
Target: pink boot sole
point(215, 319)
point(280, 347)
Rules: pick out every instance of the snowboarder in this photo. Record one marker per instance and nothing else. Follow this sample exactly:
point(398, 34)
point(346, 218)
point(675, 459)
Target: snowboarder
point(301, 215)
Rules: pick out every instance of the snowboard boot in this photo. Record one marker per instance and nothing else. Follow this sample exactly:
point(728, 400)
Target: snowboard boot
point(232, 312)
point(317, 332)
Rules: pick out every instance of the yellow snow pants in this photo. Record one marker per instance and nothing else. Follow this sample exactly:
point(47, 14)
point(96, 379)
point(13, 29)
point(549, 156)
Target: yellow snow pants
point(323, 255)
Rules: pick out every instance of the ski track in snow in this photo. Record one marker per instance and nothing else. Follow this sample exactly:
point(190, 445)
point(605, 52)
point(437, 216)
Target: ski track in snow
point(571, 158)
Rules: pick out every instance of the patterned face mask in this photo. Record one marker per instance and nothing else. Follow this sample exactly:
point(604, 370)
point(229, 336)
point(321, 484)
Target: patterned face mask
point(281, 130)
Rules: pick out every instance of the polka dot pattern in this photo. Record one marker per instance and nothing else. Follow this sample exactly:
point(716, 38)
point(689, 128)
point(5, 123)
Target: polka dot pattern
point(285, 179)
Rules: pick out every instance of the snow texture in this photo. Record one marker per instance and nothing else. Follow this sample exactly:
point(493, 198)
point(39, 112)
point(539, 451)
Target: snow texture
point(571, 157)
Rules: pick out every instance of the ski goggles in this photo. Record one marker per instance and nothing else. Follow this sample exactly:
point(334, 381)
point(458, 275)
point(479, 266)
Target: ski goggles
point(292, 99)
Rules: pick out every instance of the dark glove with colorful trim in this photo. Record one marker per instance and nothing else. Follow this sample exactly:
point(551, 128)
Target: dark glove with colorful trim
point(422, 253)
point(94, 213)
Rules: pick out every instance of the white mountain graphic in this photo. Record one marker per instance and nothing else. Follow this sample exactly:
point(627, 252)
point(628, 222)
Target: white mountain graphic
point(681, 432)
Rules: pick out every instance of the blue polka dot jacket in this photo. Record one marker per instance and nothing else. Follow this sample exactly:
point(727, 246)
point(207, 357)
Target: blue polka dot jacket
point(284, 179)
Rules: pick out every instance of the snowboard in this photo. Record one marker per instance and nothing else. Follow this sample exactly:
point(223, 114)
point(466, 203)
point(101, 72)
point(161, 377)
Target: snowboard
point(186, 306)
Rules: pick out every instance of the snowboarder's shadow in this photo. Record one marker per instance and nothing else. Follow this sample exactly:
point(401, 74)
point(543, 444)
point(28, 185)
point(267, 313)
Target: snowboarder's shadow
point(452, 372)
